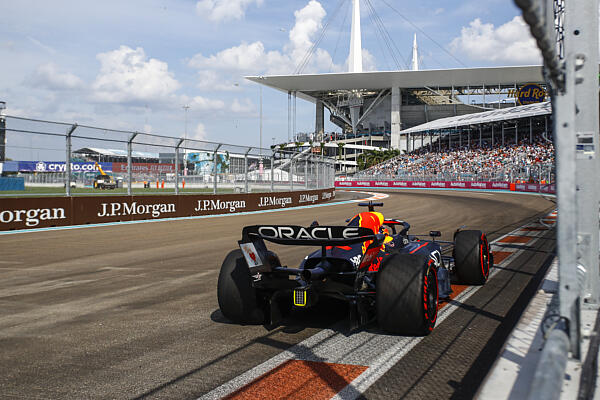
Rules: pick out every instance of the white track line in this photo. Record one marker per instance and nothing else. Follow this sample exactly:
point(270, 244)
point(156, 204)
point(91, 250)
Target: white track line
point(377, 351)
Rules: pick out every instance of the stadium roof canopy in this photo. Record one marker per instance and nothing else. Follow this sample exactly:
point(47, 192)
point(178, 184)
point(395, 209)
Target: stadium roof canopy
point(446, 78)
point(116, 152)
point(512, 113)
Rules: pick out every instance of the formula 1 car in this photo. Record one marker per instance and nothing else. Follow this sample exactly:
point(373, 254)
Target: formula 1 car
point(385, 274)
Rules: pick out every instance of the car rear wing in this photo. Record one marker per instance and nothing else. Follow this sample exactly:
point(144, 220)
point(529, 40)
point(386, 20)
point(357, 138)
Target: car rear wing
point(308, 236)
point(257, 256)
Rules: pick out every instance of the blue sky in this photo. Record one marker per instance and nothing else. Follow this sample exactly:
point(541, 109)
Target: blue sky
point(134, 64)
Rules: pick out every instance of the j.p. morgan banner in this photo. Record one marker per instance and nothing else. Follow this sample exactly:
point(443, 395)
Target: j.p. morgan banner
point(62, 211)
point(524, 187)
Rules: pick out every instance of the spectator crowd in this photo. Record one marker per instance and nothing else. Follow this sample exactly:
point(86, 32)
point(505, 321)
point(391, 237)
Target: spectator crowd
point(484, 162)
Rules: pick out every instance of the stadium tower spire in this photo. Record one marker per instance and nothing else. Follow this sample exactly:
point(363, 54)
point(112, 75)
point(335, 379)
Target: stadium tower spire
point(415, 55)
point(355, 60)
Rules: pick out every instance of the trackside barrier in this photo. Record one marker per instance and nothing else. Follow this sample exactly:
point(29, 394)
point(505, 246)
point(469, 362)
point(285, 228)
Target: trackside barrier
point(519, 187)
point(43, 212)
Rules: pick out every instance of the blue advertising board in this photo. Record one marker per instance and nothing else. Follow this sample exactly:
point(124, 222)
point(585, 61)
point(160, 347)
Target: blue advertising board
point(61, 166)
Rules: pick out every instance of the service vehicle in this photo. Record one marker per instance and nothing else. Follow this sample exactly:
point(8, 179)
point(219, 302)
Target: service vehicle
point(103, 180)
point(385, 274)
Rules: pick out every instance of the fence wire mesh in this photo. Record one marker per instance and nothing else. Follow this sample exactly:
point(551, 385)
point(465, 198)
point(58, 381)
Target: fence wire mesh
point(121, 161)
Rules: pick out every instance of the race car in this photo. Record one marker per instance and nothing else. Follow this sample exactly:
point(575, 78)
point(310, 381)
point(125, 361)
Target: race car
point(384, 273)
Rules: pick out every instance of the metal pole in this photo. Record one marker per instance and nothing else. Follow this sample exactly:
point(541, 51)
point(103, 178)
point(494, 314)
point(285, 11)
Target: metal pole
point(185, 170)
point(68, 161)
point(292, 174)
point(176, 166)
point(215, 168)
point(581, 43)
point(272, 170)
point(129, 163)
point(246, 169)
point(306, 173)
point(294, 114)
point(530, 130)
point(289, 115)
point(261, 128)
point(549, 375)
point(480, 136)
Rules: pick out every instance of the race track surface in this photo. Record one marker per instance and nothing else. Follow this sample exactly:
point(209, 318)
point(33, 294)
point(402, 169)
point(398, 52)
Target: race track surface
point(130, 311)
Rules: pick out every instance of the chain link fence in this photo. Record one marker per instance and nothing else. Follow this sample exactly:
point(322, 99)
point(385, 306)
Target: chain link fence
point(536, 173)
point(56, 158)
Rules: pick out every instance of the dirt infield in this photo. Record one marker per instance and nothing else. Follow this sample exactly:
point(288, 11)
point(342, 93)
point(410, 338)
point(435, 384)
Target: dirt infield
point(130, 311)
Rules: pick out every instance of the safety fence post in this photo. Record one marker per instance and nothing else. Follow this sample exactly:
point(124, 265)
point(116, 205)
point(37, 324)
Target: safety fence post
point(215, 168)
point(246, 169)
point(129, 163)
point(176, 166)
point(68, 160)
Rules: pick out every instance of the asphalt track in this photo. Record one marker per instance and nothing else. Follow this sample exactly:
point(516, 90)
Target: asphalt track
point(130, 311)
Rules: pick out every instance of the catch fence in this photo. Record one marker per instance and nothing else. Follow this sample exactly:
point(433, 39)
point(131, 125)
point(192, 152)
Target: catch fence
point(57, 158)
point(534, 173)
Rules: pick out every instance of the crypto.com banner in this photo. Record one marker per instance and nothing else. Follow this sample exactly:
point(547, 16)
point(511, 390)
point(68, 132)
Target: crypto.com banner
point(518, 187)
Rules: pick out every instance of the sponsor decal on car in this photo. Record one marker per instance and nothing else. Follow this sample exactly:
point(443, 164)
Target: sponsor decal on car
point(251, 255)
point(300, 233)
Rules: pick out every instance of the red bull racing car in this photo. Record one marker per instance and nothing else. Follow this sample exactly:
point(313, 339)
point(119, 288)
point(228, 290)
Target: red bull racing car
point(384, 273)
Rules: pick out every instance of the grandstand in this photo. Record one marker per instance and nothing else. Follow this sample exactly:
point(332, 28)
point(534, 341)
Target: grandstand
point(512, 145)
point(374, 108)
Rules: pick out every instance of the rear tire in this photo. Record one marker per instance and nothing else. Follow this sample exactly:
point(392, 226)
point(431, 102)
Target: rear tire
point(472, 258)
point(407, 295)
point(235, 293)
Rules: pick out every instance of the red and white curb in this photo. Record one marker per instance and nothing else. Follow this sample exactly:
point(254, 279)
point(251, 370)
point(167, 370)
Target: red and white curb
point(330, 364)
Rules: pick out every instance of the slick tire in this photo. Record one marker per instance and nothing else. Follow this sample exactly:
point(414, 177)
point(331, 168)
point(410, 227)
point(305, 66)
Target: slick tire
point(407, 295)
point(472, 258)
point(235, 293)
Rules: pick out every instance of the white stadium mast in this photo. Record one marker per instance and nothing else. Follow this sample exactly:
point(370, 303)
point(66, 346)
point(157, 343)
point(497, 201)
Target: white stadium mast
point(354, 100)
point(355, 59)
point(415, 55)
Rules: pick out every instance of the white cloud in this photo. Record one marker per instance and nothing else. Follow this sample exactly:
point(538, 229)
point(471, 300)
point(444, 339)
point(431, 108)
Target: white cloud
point(48, 76)
point(253, 58)
point(224, 10)
point(199, 132)
point(242, 107)
point(127, 75)
point(309, 20)
point(510, 43)
point(210, 80)
point(199, 103)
